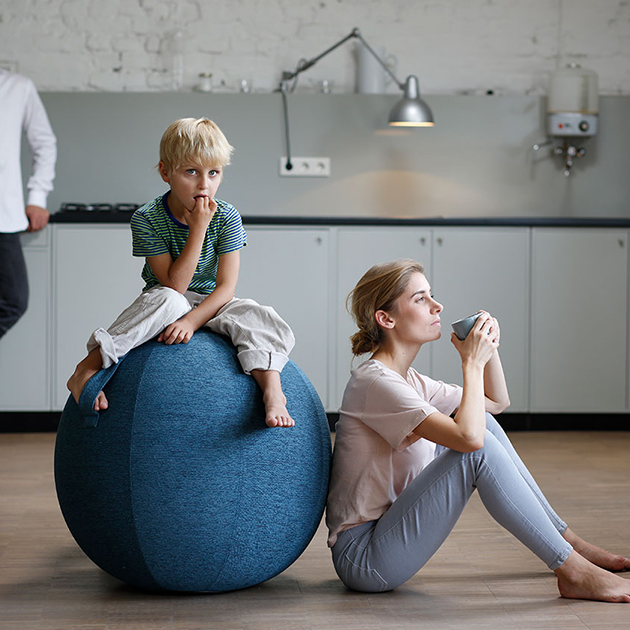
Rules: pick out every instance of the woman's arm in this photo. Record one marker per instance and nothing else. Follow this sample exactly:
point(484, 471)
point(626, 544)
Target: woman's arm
point(465, 432)
point(495, 387)
point(227, 276)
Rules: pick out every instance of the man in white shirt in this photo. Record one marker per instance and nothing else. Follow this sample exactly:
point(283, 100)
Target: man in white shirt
point(21, 109)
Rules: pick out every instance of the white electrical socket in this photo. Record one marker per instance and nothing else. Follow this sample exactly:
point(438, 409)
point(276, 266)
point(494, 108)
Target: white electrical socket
point(305, 167)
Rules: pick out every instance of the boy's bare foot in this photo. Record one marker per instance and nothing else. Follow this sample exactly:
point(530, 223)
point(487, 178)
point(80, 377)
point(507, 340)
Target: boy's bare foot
point(598, 556)
point(276, 414)
point(82, 374)
point(580, 579)
point(101, 402)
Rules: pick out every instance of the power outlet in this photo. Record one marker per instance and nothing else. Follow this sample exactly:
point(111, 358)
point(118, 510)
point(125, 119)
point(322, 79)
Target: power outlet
point(305, 167)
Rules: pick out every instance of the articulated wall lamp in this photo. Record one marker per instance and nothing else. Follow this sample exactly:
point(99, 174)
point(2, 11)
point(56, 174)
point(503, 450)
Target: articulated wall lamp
point(410, 111)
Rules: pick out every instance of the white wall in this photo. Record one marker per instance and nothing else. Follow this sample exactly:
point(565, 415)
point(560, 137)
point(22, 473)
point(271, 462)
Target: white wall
point(454, 46)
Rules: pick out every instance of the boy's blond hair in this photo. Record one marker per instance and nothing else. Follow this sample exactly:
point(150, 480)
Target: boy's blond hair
point(194, 139)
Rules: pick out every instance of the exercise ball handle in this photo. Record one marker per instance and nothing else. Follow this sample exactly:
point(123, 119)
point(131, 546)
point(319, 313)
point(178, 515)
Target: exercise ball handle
point(88, 396)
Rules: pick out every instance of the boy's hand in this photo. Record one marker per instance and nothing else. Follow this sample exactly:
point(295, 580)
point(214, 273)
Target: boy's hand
point(202, 213)
point(180, 331)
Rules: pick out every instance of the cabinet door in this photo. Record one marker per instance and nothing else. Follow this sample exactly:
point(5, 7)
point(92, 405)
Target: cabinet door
point(357, 250)
point(24, 350)
point(485, 269)
point(288, 269)
point(96, 278)
point(579, 320)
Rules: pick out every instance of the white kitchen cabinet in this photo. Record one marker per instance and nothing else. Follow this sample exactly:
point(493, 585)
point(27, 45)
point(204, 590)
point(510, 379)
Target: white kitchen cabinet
point(96, 277)
point(560, 294)
point(579, 320)
point(288, 268)
point(357, 250)
point(24, 350)
point(484, 268)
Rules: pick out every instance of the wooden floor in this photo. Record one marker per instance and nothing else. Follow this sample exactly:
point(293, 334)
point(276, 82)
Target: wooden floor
point(480, 578)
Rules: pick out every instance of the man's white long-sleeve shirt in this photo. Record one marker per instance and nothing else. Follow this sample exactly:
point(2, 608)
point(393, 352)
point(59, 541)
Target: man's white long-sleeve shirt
point(21, 109)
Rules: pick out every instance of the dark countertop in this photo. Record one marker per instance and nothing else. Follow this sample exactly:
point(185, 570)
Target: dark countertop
point(96, 216)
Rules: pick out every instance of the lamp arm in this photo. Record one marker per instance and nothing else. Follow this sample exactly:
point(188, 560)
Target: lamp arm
point(354, 34)
point(358, 35)
point(288, 76)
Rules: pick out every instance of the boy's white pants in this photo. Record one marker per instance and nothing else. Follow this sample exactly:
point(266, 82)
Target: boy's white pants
point(262, 338)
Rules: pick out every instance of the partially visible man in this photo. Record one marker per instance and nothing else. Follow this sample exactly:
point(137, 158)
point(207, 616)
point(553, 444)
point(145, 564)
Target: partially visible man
point(21, 109)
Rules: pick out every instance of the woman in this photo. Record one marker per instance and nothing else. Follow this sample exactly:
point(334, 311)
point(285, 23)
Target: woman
point(410, 451)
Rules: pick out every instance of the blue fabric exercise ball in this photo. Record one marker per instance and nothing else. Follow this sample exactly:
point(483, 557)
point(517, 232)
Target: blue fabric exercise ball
point(180, 485)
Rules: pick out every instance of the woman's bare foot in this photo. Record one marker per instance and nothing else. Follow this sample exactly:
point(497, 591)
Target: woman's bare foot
point(82, 374)
point(598, 556)
point(580, 579)
point(276, 414)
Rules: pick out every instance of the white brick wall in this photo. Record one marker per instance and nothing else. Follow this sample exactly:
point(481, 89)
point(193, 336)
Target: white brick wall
point(453, 46)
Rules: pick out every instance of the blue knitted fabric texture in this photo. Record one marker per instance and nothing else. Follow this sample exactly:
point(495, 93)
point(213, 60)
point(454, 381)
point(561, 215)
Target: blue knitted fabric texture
point(180, 485)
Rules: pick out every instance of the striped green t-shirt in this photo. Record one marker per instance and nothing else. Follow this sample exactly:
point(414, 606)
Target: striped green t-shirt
point(156, 231)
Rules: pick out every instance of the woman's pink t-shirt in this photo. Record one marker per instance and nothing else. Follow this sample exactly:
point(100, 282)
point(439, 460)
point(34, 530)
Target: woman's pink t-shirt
point(376, 452)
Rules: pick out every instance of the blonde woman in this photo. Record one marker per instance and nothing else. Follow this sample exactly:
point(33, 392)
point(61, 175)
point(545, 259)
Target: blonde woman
point(410, 451)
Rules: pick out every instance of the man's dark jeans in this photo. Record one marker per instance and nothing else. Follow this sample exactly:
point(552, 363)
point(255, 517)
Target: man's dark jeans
point(13, 281)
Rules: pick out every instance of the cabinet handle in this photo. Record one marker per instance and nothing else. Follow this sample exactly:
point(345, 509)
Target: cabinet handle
point(440, 240)
point(423, 240)
point(622, 242)
point(319, 240)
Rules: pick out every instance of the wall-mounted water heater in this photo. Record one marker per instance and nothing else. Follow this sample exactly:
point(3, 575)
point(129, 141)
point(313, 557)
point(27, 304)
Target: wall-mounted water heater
point(572, 112)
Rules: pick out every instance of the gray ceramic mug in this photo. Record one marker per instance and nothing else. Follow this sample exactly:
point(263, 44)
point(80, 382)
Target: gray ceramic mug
point(463, 326)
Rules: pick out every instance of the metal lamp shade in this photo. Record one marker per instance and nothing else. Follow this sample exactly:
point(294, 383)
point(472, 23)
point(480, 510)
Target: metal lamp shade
point(411, 110)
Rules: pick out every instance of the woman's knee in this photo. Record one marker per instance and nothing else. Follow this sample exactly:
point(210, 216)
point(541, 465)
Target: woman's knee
point(491, 421)
point(493, 426)
point(492, 449)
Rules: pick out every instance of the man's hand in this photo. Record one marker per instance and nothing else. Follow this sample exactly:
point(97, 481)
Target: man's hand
point(180, 331)
point(37, 218)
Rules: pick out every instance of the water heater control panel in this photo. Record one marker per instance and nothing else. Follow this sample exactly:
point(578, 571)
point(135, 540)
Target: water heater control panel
point(572, 124)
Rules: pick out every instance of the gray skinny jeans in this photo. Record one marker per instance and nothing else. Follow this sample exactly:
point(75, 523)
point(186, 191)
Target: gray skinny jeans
point(383, 554)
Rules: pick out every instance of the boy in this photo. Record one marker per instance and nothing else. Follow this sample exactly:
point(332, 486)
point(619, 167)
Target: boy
point(191, 244)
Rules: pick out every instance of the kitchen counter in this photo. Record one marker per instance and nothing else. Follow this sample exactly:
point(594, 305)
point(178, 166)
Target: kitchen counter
point(95, 216)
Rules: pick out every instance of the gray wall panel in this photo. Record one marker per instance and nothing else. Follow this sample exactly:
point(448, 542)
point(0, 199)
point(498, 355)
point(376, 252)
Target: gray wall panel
point(476, 161)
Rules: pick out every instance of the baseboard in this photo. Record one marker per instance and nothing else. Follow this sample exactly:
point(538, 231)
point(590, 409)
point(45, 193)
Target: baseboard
point(565, 421)
point(29, 421)
point(48, 421)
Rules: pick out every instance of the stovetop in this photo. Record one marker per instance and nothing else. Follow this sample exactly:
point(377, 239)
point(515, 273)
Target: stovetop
point(71, 212)
point(98, 207)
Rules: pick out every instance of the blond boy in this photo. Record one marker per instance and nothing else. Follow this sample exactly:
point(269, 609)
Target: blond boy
point(191, 242)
